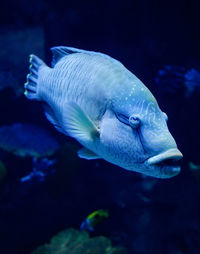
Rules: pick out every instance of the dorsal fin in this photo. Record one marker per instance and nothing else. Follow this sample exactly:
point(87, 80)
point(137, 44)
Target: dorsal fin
point(61, 51)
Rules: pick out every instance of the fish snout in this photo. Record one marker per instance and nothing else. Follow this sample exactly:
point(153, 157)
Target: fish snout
point(167, 162)
point(171, 155)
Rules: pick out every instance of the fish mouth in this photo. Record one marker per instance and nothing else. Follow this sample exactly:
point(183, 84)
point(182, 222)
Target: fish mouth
point(168, 162)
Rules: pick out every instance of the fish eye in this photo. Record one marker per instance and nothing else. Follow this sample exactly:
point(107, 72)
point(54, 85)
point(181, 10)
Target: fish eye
point(134, 122)
point(122, 118)
point(165, 116)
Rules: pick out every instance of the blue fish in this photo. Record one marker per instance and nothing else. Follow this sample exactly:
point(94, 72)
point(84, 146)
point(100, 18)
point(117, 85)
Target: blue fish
point(93, 219)
point(93, 98)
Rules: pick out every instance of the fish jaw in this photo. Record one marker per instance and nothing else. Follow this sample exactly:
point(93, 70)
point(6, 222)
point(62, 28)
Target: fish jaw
point(165, 164)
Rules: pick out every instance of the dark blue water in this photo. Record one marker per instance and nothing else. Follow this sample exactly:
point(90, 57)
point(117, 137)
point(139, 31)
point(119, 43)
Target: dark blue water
point(146, 215)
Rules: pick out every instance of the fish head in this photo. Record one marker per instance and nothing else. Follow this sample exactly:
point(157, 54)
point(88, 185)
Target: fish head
point(135, 136)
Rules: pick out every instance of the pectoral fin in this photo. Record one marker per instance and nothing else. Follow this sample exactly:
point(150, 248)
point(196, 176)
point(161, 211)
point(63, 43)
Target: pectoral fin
point(78, 125)
point(51, 116)
point(84, 153)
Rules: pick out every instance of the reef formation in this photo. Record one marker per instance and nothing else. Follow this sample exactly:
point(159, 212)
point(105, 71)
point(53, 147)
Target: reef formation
point(78, 242)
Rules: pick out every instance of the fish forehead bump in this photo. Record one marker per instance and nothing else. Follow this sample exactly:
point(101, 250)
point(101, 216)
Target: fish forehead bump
point(138, 101)
point(128, 86)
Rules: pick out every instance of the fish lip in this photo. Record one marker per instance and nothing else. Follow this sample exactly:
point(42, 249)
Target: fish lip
point(169, 171)
point(172, 154)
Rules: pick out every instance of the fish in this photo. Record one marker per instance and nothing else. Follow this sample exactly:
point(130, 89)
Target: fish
point(93, 219)
point(27, 140)
point(96, 100)
point(174, 79)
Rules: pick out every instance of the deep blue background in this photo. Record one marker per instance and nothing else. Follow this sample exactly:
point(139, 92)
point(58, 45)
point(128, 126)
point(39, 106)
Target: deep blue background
point(144, 36)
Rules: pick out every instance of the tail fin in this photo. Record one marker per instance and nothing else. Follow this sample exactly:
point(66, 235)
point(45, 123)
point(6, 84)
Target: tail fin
point(31, 89)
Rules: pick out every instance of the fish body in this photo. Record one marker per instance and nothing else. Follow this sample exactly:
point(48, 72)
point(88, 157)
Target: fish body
point(106, 108)
point(93, 219)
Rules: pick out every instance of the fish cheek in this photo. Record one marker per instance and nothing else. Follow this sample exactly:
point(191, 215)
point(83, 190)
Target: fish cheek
point(116, 141)
point(108, 135)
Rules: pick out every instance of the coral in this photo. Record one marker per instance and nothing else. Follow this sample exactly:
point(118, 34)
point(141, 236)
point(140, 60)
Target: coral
point(24, 139)
point(76, 242)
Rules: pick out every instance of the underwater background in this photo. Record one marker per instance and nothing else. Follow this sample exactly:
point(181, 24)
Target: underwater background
point(46, 190)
